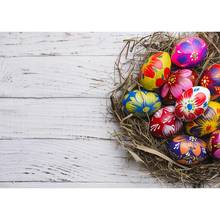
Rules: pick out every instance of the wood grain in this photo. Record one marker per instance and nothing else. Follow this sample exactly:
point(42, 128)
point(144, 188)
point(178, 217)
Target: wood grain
point(89, 76)
point(55, 129)
point(54, 118)
point(62, 44)
point(75, 161)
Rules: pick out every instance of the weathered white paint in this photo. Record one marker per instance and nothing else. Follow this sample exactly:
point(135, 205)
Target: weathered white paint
point(79, 161)
point(76, 76)
point(63, 44)
point(64, 118)
point(54, 126)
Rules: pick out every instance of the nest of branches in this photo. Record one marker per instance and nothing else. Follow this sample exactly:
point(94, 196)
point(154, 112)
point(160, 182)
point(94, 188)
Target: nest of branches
point(133, 133)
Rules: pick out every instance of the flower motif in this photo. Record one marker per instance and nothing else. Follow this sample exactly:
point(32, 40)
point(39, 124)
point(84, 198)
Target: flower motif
point(205, 124)
point(190, 107)
point(211, 80)
point(189, 52)
point(177, 83)
point(148, 69)
point(188, 149)
point(141, 102)
point(164, 123)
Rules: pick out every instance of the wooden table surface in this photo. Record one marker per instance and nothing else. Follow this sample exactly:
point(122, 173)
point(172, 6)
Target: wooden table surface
point(54, 126)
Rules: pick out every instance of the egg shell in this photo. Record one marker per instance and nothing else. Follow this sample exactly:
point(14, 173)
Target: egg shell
point(192, 103)
point(155, 71)
point(177, 82)
point(211, 80)
point(214, 144)
point(187, 150)
point(206, 123)
point(189, 52)
point(164, 123)
point(141, 102)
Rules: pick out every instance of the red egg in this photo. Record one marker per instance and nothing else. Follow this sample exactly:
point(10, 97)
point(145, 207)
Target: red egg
point(211, 80)
point(214, 144)
point(164, 123)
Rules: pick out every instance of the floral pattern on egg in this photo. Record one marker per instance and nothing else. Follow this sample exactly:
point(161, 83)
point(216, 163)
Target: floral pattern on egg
point(155, 71)
point(164, 123)
point(206, 123)
point(141, 102)
point(187, 150)
point(214, 144)
point(211, 80)
point(192, 103)
point(178, 82)
point(189, 52)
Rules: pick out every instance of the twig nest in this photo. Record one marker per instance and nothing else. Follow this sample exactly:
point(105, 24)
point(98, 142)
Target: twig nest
point(150, 128)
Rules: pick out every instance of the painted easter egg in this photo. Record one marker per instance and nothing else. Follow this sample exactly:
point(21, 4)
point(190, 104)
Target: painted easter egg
point(164, 123)
point(206, 123)
point(192, 103)
point(214, 144)
point(155, 71)
point(211, 80)
point(189, 52)
point(187, 150)
point(141, 102)
point(178, 82)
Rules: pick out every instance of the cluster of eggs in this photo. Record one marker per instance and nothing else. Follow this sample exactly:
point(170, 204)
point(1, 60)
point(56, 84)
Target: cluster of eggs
point(189, 107)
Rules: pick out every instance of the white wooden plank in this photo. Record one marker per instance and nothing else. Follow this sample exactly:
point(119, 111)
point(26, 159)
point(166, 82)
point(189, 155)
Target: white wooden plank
point(151, 183)
point(56, 76)
point(87, 162)
point(54, 118)
point(66, 44)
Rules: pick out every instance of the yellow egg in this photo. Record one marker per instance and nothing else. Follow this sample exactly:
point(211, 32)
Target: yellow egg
point(215, 106)
point(206, 123)
point(155, 71)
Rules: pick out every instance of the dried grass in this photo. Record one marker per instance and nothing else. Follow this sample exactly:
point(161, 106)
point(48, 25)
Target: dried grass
point(133, 133)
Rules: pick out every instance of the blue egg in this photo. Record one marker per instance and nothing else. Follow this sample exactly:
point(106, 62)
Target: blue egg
point(141, 103)
point(187, 150)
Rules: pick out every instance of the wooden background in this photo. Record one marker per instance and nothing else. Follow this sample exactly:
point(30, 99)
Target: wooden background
point(54, 126)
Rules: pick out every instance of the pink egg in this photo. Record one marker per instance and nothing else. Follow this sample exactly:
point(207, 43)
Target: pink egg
point(178, 82)
point(189, 52)
point(214, 144)
point(164, 123)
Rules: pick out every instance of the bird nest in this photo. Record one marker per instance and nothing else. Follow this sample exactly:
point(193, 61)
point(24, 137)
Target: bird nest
point(133, 133)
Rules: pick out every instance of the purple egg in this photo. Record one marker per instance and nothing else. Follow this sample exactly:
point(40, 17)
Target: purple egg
point(189, 52)
point(214, 144)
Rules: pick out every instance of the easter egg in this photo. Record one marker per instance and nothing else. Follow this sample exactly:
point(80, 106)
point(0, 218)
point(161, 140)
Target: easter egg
point(155, 71)
point(211, 80)
point(178, 82)
point(141, 102)
point(192, 103)
point(214, 144)
point(189, 52)
point(207, 122)
point(187, 150)
point(164, 123)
